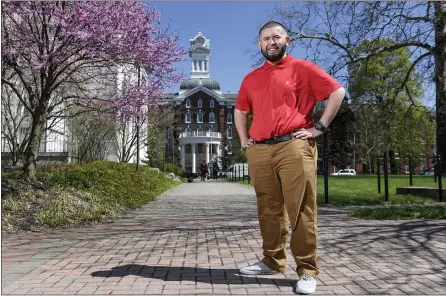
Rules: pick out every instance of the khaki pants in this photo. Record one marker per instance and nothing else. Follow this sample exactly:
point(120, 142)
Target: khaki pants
point(284, 178)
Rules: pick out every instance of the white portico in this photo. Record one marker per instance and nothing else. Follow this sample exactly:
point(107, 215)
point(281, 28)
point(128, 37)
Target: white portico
point(191, 156)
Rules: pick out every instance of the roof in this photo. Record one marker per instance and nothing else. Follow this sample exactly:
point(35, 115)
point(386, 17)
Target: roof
point(205, 82)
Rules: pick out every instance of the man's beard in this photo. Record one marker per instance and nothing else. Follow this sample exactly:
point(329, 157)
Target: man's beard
point(274, 57)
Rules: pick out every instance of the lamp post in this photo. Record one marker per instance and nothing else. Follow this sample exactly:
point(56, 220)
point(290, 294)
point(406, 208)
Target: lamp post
point(137, 123)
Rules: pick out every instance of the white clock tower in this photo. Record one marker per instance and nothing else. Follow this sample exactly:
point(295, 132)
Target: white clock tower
point(200, 50)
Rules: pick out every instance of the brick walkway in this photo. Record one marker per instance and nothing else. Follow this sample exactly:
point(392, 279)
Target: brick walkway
point(193, 239)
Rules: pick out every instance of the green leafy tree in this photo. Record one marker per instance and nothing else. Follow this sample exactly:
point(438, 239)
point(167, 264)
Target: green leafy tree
point(374, 87)
point(160, 118)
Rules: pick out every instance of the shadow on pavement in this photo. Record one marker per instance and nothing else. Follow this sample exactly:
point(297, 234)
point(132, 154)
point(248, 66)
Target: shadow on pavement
point(201, 275)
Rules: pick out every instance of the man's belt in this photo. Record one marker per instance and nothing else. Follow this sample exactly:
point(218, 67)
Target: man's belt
point(276, 140)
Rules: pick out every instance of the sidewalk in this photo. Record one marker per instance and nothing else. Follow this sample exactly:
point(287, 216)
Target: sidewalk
point(195, 237)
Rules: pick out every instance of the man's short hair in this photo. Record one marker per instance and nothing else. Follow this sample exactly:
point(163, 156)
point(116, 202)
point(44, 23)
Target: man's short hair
point(272, 24)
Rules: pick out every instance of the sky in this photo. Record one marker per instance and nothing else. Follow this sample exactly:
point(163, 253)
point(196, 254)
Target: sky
point(232, 28)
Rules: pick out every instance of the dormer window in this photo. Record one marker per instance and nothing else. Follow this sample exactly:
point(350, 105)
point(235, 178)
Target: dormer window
point(211, 117)
point(200, 117)
point(212, 104)
point(200, 103)
point(229, 118)
point(188, 117)
point(187, 103)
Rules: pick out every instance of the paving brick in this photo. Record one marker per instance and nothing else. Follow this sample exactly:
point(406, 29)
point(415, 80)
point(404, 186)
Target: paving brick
point(194, 238)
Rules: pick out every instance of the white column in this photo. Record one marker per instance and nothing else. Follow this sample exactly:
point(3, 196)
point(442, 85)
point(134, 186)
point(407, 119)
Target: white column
point(207, 152)
point(183, 156)
point(192, 65)
point(194, 169)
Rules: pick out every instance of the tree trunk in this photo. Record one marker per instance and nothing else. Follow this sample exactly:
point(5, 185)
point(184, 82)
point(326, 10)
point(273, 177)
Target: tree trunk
point(29, 170)
point(440, 77)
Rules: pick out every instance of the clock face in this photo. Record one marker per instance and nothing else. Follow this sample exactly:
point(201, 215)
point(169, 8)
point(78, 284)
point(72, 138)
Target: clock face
point(199, 41)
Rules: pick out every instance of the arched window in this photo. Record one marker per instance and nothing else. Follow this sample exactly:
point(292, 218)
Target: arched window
point(200, 103)
point(212, 103)
point(188, 117)
point(187, 103)
point(187, 130)
point(212, 117)
point(200, 117)
point(229, 118)
point(211, 128)
point(229, 105)
point(229, 132)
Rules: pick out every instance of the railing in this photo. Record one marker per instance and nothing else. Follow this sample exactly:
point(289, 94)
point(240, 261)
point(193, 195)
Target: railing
point(200, 134)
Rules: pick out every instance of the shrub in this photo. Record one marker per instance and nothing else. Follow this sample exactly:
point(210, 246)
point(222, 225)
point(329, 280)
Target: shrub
point(171, 168)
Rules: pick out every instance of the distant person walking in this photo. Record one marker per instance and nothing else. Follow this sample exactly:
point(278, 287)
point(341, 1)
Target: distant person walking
point(215, 170)
point(203, 170)
point(282, 152)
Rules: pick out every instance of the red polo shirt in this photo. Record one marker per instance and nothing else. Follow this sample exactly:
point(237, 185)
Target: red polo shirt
point(282, 96)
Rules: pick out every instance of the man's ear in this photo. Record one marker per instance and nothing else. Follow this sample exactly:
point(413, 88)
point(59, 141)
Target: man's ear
point(287, 40)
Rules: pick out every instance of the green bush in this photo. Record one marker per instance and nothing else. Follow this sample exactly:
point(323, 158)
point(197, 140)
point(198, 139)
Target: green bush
point(171, 168)
point(89, 192)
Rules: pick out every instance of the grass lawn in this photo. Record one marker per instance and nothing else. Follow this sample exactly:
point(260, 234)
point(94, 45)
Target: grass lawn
point(363, 190)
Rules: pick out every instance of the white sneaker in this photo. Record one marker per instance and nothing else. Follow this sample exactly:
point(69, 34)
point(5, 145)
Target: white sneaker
point(257, 268)
point(306, 284)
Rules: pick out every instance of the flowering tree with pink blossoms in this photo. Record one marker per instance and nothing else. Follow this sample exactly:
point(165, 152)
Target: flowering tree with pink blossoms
point(59, 56)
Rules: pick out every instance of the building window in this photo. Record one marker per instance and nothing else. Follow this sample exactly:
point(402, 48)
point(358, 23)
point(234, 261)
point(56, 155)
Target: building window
point(188, 148)
point(200, 148)
point(188, 117)
point(229, 118)
point(187, 103)
point(200, 131)
point(200, 117)
point(212, 103)
point(200, 103)
point(229, 133)
point(229, 105)
point(229, 147)
point(211, 128)
point(212, 117)
point(187, 131)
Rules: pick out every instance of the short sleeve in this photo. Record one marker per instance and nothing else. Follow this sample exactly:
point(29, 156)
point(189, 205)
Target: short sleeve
point(321, 84)
point(243, 103)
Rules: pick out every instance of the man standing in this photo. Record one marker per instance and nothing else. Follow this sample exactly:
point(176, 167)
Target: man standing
point(282, 153)
point(203, 170)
